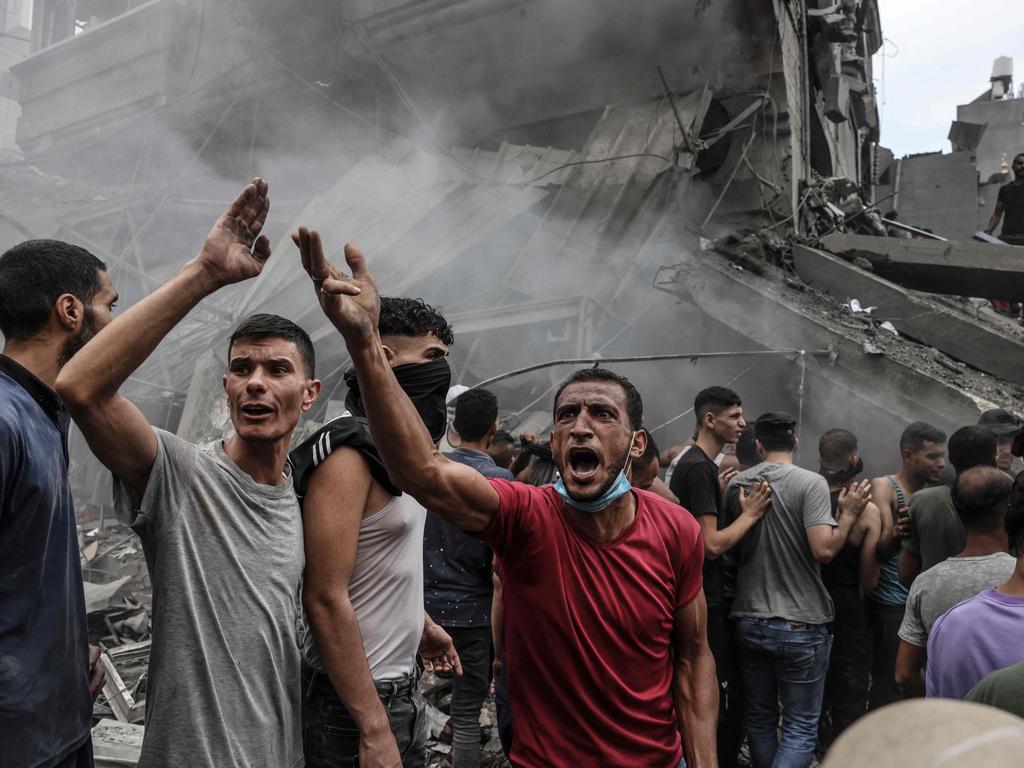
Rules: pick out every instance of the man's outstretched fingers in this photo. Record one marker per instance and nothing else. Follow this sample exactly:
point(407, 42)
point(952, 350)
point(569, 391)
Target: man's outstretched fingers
point(340, 286)
point(356, 260)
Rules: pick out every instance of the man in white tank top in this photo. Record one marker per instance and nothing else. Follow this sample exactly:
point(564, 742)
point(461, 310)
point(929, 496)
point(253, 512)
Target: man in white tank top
point(363, 583)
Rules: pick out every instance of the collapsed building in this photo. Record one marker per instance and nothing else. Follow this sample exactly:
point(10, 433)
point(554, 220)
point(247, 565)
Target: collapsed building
point(568, 181)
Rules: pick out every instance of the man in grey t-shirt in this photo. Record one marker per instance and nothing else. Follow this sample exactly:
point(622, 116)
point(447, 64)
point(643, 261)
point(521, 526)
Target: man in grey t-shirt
point(219, 524)
point(781, 606)
point(981, 496)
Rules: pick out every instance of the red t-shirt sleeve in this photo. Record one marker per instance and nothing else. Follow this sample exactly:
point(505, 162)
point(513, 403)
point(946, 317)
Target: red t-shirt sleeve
point(690, 578)
point(515, 518)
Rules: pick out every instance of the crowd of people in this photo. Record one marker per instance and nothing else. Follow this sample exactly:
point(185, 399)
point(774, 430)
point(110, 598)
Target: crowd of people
point(621, 619)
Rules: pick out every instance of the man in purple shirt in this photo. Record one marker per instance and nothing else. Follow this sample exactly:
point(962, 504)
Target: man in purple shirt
point(981, 634)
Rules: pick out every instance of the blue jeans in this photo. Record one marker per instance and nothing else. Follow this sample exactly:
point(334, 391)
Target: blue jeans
point(782, 661)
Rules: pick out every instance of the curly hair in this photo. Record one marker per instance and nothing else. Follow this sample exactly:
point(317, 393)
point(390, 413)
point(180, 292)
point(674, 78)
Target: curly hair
point(400, 316)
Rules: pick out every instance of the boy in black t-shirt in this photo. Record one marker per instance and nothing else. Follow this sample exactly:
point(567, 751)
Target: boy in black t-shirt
point(698, 486)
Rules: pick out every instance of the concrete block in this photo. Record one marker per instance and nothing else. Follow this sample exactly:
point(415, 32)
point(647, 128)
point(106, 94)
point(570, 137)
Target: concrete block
point(958, 335)
point(957, 269)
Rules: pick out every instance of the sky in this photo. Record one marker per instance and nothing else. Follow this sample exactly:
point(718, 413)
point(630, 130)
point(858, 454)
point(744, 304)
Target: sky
point(939, 54)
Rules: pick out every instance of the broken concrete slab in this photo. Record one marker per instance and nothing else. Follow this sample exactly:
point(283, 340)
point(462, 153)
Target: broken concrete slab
point(958, 269)
point(905, 380)
point(957, 334)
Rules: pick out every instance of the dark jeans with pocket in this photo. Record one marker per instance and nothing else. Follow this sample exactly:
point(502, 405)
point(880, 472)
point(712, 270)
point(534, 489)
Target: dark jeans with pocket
point(782, 661)
point(330, 738)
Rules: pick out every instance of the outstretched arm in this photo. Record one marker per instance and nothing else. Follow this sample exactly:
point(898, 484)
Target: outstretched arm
point(457, 493)
point(695, 685)
point(117, 431)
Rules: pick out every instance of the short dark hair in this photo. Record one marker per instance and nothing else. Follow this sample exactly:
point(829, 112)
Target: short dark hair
point(918, 433)
point(476, 411)
point(34, 274)
point(634, 403)
point(714, 399)
point(778, 442)
point(746, 448)
point(1014, 520)
point(400, 316)
point(835, 448)
point(972, 446)
point(264, 326)
point(980, 496)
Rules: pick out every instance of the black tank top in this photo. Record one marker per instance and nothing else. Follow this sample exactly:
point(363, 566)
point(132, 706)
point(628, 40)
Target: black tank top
point(843, 572)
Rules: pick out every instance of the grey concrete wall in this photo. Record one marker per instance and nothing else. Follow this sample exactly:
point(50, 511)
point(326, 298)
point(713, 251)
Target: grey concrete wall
point(939, 192)
point(1004, 134)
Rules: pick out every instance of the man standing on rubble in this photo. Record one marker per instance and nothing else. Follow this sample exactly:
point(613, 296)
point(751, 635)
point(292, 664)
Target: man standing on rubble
point(220, 525)
point(363, 585)
point(695, 482)
point(1010, 204)
point(605, 617)
point(54, 297)
point(923, 454)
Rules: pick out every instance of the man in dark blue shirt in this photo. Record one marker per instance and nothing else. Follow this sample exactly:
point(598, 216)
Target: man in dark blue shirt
point(53, 298)
point(457, 579)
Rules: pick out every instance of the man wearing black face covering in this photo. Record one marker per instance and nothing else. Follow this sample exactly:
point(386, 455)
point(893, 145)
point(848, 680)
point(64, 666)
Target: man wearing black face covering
point(363, 583)
point(846, 682)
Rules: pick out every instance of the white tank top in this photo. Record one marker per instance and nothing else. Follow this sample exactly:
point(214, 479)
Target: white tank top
point(386, 590)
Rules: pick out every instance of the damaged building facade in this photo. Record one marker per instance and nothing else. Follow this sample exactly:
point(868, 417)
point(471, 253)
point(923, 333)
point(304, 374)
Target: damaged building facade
point(567, 180)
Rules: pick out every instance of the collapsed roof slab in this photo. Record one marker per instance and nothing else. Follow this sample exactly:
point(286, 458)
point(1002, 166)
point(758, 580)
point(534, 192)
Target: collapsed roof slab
point(887, 372)
point(958, 269)
point(955, 333)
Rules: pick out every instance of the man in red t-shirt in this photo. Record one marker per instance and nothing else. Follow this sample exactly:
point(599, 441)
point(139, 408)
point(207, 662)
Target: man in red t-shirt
point(605, 613)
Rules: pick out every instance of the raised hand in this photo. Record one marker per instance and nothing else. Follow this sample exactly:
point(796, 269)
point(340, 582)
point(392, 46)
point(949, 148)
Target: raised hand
point(853, 499)
point(234, 250)
point(352, 304)
point(756, 503)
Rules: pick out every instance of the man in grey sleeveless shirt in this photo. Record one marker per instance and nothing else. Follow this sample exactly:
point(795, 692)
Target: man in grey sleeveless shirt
point(363, 584)
point(923, 455)
point(219, 524)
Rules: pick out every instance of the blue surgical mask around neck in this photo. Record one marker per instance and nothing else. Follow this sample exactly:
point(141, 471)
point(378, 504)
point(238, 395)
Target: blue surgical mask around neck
point(616, 490)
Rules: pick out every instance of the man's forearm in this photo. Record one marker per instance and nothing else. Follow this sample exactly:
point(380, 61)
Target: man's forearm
point(340, 645)
point(99, 370)
point(695, 691)
point(717, 543)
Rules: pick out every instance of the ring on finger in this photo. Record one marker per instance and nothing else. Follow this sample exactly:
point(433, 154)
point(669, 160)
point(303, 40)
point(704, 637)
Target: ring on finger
point(318, 283)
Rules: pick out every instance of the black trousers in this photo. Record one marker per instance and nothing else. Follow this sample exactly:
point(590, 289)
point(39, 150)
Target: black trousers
point(849, 667)
point(722, 641)
point(884, 623)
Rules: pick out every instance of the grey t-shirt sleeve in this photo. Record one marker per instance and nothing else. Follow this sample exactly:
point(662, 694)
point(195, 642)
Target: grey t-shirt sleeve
point(817, 503)
point(912, 630)
point(175, 461)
